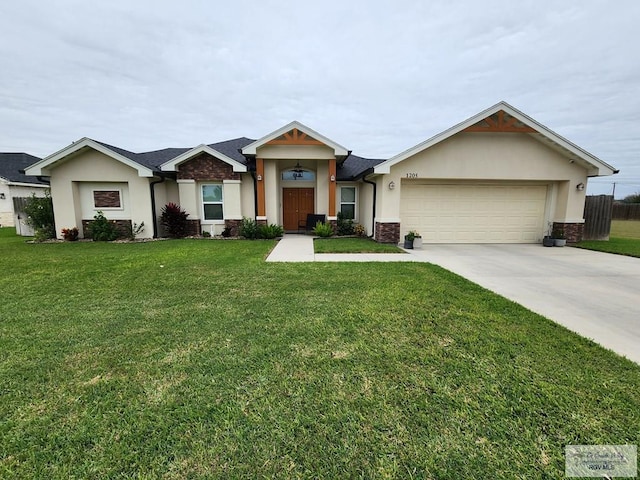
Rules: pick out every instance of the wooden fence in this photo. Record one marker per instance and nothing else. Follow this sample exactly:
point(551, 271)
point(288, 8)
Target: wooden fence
point(597, 217)
point(626, 211)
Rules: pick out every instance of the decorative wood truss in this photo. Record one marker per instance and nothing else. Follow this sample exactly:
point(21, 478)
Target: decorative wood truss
point(500, 122)
point(294, 137)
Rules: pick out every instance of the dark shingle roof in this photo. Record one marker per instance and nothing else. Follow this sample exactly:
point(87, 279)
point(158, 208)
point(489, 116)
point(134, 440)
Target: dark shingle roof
point(350, 169)
point(12, 163)
point(354, 166)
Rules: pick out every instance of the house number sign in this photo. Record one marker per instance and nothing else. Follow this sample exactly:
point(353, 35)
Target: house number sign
point(412, 175)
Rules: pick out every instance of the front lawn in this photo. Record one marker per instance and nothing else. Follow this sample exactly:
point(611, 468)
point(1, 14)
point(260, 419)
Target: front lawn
point(196, 359)
point(352, 245)
point(624, 239)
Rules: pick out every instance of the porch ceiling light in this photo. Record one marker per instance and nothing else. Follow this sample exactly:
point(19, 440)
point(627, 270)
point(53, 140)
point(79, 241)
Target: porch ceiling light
point(392, 185)
point(298, 172)
point(580, 187)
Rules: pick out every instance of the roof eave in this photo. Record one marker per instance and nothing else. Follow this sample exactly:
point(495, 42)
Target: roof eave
point(43, 167)
point(172, 165)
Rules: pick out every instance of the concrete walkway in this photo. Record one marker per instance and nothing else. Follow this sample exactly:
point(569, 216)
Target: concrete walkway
point(594, 294)
point(299, 248)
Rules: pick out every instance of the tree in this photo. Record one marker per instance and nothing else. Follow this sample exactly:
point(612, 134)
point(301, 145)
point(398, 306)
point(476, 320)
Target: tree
point(633, 198)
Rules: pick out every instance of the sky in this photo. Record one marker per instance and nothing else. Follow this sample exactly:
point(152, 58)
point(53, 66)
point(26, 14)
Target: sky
point(377, 77)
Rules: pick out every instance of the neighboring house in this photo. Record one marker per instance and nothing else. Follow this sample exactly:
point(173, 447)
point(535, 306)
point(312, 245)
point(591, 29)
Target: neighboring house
point(16, 185)
point(498, 177)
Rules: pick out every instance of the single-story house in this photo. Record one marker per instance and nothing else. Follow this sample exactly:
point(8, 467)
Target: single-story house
point(498, 177)
point(16, 186)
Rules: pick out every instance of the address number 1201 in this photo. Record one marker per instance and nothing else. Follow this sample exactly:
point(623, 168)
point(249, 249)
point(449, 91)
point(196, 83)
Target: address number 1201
point(412, 175)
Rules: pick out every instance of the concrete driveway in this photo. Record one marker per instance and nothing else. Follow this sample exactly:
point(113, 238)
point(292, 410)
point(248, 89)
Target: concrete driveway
point(594, 294)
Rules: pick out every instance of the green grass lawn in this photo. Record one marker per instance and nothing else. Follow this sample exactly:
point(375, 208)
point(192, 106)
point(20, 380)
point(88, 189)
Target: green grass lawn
point(196, 359)
point(352, 245)
point(625, 229)
point(624, 239)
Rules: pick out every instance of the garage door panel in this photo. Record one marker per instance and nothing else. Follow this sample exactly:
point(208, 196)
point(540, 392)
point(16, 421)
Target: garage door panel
point(474, 213)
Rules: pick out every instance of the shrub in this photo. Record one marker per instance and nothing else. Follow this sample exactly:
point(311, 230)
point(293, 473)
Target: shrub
point(135, 230)
point(102, 229)
point(345, 225)
point(70, 234)
point(39, 212)
point(270, 231)
point(248, 229)
point(206, 234)
point(174, 220)
point(323, 229)
point(226, 233)
point(359, 230)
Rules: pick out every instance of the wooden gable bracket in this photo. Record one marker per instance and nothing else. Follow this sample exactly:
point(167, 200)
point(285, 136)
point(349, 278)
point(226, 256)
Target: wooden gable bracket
point(500, 122)
point(294, 137)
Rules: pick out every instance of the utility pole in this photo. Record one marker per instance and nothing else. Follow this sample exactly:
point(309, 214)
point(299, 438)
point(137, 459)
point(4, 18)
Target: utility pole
point(614, 190)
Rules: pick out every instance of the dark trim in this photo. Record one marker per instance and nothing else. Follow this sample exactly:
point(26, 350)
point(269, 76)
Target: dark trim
point(373, 213)
point(152, 188)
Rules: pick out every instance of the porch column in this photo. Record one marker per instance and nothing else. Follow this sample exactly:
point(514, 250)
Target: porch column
point(332, 188)
point(261, 213)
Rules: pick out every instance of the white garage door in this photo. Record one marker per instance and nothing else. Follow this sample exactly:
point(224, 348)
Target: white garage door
point(474, 213)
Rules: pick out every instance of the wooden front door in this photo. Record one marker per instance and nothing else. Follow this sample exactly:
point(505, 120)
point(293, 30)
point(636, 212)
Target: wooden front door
point(296, 204)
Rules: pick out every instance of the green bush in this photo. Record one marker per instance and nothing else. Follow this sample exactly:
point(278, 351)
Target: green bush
point(174, 220)
point(270, 231)
point(248, 229)
point(70, 234)
point(39, 212)
point(323, 229)
point(345, 225)
point(101, 229)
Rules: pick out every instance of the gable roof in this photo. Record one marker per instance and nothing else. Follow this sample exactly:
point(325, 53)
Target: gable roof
point(527, 125)
point(12, 166)
point(338, 149)
point(172, 165)
point(124, 156)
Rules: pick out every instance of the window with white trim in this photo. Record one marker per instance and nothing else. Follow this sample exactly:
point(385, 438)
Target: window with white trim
point(212, 204)
point(348, 202)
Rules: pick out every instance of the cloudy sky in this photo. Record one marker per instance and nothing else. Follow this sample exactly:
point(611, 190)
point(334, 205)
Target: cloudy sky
point(375, 76)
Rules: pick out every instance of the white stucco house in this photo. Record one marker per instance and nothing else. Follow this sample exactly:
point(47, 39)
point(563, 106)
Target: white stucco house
point(14, 184)
point(497, 177)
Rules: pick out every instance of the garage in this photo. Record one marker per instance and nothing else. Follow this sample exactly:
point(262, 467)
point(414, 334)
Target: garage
point(474, 213)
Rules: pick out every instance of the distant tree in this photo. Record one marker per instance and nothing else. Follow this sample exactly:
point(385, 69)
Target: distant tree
point(633, 198)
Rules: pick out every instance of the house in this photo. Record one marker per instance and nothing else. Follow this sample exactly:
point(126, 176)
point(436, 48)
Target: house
point(498, 177)
point(16, 186)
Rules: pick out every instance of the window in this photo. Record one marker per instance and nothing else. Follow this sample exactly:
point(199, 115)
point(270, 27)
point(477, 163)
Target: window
point(212, 202)
point(348, 202)
point(298, 174)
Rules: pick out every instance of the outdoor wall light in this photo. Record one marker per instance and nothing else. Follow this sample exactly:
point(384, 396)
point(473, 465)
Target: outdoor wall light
point(2, 197)
point(392, 185)
point(259, 177)
point(580, 187)
point(333, 178)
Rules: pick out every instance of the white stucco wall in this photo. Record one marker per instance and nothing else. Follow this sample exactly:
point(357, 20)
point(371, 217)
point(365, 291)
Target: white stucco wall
point(491, 156)
point(93, 166)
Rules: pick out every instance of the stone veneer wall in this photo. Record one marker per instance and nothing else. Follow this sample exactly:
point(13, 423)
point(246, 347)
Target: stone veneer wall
point(387, 232)
point(233, 226)
point(194, 228)
point(123, 226)
point(573, 232)
point(204, 168)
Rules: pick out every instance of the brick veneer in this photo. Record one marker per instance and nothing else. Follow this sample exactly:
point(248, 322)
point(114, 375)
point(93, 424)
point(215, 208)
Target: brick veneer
point(193, 228)
point(204, 167)
point(123, 226)
point(573, 232)
point(387, 232)
point(233, 226)
point(334, 225)
point(261, 222)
